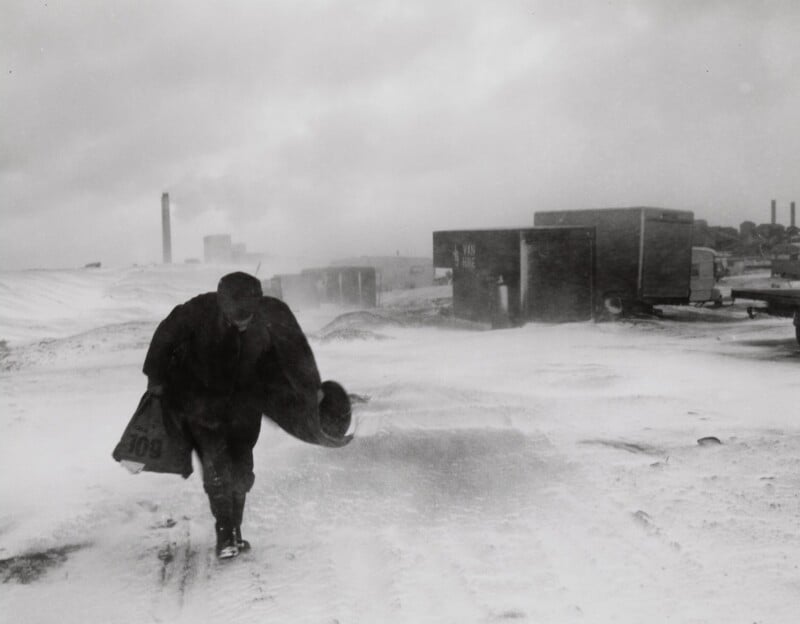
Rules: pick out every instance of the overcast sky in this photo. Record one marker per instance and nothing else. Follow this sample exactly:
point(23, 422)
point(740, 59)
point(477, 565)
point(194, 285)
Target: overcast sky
point(346, 128)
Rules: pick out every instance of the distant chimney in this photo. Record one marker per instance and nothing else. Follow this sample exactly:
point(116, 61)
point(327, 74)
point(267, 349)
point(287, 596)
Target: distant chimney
point(772, 220)
point(791, 214)
point(166, 236)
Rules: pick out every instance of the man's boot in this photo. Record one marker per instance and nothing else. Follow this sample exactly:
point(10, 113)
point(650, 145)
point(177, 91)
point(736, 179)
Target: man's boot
point(226, 542)
point(238, 511)
point(221, 508)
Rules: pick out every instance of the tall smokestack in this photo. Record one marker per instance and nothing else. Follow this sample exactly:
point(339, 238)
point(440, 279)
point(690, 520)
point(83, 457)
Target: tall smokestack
point(166, 236)
point(772, 221)
point(791, 214)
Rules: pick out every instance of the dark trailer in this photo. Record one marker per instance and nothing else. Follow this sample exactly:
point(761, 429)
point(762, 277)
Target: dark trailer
point(643, 255)
point(506, 277)
point(297, 290)
point(351, 286)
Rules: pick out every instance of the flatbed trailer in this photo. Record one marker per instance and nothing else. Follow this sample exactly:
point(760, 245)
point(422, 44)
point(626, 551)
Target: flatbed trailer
point(783, 302)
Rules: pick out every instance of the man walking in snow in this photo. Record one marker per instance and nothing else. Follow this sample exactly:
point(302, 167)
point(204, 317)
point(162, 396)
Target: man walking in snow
point(220, 361)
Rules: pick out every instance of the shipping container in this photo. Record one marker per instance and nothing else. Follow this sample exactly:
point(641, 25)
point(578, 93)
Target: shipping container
point(395, 272)
point(298, 291)
point(508, 276)
point(353, 286)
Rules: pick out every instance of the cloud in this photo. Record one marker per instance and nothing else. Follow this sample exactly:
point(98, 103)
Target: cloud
point(360, 127)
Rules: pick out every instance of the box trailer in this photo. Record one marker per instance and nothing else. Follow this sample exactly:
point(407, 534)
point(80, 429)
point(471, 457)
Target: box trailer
point(351, 286)
point(508, 276)
point(786, 261)
point(643, 255)
point(298, 291)
point(558, 271)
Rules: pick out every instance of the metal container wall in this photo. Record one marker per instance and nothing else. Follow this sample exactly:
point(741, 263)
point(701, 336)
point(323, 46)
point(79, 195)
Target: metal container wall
point(560, 274)
point(642, 254)
point(346, 286)
point(486, 273)
point(506, 277)
point(299, 291)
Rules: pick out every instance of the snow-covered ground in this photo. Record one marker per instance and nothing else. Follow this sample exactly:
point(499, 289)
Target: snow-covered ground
point(549, 473)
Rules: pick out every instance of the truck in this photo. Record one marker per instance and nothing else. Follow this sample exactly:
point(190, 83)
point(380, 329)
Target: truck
point(643, 255)
point(786, 261)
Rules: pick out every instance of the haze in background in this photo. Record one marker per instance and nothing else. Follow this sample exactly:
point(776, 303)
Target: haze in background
point(328, 129)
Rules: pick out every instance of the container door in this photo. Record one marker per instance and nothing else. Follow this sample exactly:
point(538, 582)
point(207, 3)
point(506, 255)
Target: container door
point(560, 275)
point(473, 295)
point(666, 260)
point(368, 288)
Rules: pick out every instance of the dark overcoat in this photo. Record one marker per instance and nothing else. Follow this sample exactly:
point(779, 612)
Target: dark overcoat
point(195, 351)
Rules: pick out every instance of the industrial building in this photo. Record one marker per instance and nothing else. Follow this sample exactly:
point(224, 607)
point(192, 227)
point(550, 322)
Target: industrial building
point(220, 249)
point(217, 248)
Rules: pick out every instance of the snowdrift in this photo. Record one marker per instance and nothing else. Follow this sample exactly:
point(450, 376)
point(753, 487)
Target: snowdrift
point(550, 473)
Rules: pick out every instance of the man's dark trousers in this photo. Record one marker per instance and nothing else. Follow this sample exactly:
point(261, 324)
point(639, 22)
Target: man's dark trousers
point(223, 431)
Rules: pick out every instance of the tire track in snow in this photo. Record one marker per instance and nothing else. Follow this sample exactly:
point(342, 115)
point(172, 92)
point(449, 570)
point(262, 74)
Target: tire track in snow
point(181, 562)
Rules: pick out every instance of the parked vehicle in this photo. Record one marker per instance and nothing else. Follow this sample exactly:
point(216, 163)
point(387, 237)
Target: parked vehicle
point(705, 274)
point(643, 255)
point(786, 261)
